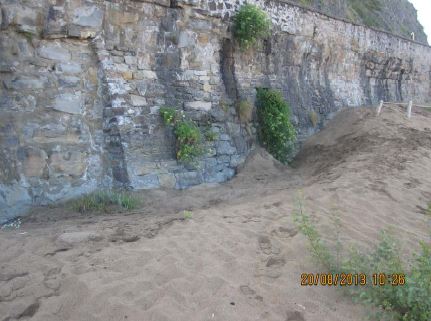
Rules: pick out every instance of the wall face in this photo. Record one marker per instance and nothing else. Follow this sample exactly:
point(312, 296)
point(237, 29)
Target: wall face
point(50, 113)
point(322, 64)
point(82, 83)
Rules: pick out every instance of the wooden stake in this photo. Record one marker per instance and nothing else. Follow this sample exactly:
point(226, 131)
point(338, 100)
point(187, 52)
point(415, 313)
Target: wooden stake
point(379, 108)
point(409, 109)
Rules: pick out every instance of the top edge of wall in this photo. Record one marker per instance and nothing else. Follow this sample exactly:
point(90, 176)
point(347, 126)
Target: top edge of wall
point(314, 10)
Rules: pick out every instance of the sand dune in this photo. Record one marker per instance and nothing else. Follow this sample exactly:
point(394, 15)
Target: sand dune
point(240, 256)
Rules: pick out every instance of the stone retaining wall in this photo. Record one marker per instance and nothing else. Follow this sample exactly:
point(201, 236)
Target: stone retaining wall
point(82, 83)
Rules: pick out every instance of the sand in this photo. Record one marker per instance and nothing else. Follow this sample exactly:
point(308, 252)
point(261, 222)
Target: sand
point(239, 257)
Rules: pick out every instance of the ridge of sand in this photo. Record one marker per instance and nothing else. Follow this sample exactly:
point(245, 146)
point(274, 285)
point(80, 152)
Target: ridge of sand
point(240, 257)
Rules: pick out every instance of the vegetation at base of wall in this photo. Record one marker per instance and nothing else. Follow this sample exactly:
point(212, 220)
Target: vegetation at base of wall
point(102, 201)
point(188, 215)
point(245, 110)
point(189, 145)
point(275, 130)
point(314, 118)
point(249, 25)
point(407, 296)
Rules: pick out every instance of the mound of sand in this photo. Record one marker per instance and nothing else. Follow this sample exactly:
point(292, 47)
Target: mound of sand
point(240, 256)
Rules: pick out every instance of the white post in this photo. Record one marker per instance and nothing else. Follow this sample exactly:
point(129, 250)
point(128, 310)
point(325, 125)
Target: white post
point(379, 108)
point(409, 109)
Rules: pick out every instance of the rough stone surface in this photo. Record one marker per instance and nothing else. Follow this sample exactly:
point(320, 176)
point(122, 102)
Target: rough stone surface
point(82, 83)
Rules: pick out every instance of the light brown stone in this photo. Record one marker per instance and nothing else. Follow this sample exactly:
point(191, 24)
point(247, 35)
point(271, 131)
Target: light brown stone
point(69, 163)
point(35, 163)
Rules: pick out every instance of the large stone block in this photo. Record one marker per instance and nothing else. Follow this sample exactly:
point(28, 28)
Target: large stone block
point(88, 16)
point(138, 100)
point(26, 19)
point(188, 179)
point(70, 68)
point(167, 180)
point(198, 105)
point(119, 18)
point(225, 148)
point(55, 26)
point(187, 39)
point(54, 51)
point(148, 181)
point(33, 161)
point(68, 163)
point(26, 82)
point(69, 103)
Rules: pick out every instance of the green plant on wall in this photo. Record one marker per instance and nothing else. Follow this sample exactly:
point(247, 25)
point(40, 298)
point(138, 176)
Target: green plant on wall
point(276, 132)
point(168, 115)
point(188, 136)
point(245, 111)
point(189, 141)
point(250, 24)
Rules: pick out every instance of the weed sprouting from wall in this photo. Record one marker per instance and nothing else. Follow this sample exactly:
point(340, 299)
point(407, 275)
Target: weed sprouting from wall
point(250, 24)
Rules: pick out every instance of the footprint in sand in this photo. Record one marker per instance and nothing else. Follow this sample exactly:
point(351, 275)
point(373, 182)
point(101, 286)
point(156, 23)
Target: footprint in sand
point(250, 293)
point(285, 232)
point(295, 316)
point(272, 265)
point(265, 244)
point(275, 262)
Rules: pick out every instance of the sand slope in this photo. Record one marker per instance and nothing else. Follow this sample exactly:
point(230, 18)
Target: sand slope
point(240, 257)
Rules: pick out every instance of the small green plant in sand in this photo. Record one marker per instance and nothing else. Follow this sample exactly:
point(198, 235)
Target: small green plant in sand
point(101, 201)
point(249, 25)
point(275, 131)
point(189, 145)
point(188, 215)
point(408, 302)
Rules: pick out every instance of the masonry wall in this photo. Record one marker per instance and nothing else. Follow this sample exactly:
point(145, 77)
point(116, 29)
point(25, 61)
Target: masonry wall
point(82, 83)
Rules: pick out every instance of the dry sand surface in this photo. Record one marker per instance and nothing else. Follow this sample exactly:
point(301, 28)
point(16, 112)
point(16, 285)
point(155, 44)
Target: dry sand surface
point(240, 256)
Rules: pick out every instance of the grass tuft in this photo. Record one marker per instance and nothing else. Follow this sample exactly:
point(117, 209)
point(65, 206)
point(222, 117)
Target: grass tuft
point(101, 201)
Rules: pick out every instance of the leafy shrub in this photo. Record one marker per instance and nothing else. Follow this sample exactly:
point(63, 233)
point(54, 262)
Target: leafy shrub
point(101, 201)
point(408, 302)
point(188, 141)
point(187, 134)
point(245, 109)
point(275, 131)
point(250, 24)
point(168, 115)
